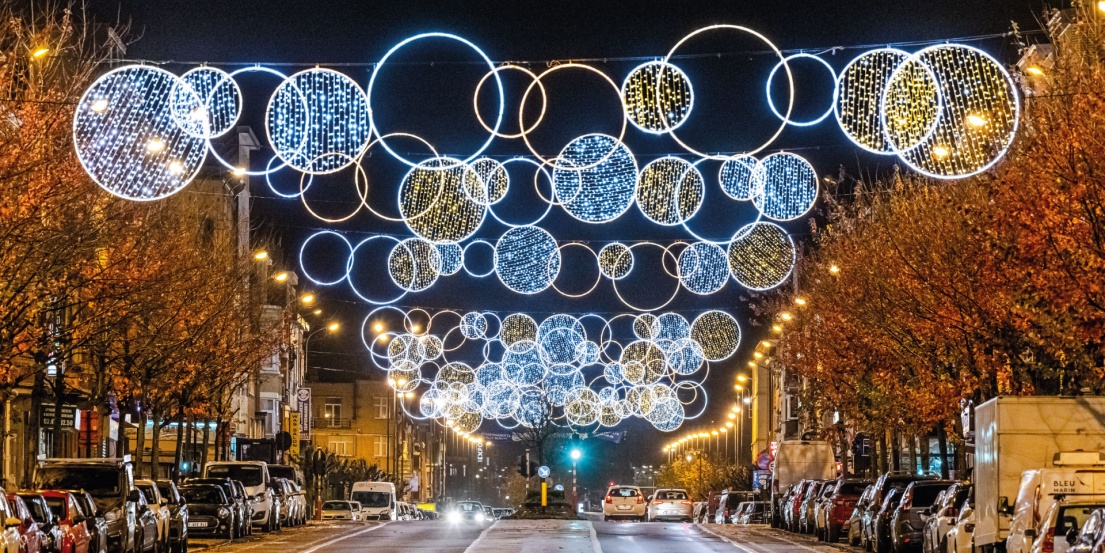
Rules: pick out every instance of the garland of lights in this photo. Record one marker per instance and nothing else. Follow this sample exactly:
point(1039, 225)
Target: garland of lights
point(468, 368)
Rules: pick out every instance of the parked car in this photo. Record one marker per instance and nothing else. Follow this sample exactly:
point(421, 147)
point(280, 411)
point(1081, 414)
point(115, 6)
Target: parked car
point(94, 520)
point(710, 506)
point(794, 504)
point(837, 508)
point(210, 510)
point(896, 480)
point(854, 526)
point(287, 472)
point(338, 509)
point(254, 476)
point(880, 533)
point(110, 482)
point(30, 535)
point(907, 523)
point(1066, 518)
point(942, 517)
point(74, 536)
point(160, 508)
point(358, 510)
point(47, 524)
point(1072, 478)
point(299, 503)
point(145, 532)
point(670, 504)
point(806, 522)
point(961, 539)
point(284, 501)
point(624, 502)
point(727, 507)
point(9, 534)
point(242, 494)
point(178, 516)
point(1091, 538)
point(239, 502)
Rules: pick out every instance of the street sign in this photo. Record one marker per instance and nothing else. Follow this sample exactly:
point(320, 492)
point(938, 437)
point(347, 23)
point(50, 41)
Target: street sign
point(293, 425)
point(283, 441)
point(558, 487)
point(303, 405)
point(543, 471)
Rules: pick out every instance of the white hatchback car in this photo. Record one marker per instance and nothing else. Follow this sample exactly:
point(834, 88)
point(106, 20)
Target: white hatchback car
point(624, 502)
point(672, 505)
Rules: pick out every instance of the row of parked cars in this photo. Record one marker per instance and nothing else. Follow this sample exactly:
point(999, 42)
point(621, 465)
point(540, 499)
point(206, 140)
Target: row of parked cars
point(732, 507)
point(96, 506)
point(340, 509)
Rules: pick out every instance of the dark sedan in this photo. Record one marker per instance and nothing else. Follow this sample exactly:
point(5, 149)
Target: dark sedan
point(907, 524)
point(239, 502)
point(178, 516)
point(210, 510)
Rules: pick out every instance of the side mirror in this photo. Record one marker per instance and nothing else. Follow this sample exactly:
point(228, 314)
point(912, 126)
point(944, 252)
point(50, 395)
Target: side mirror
point(79, 519)
point(927, 511)
point(1003, 507)
point(28, 521)
point(12, 522)
point(164, 502)
point(134, 496)
point(1030, 533)
point(1072, 536)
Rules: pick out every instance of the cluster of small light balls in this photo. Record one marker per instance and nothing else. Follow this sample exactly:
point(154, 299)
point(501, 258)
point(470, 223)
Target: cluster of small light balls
point(528, 373)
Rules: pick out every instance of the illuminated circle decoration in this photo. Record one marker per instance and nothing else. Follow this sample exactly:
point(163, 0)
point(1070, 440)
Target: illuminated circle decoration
point(318, 121)
point(911, 106)
point(493, 183)
point(473, 325)
point(761, 256)
point(615, 260)
point(527, 259)
point(476, 101)
point(787, 188)
point(434, 202)
point(786, 68)
point(859, 93)
point(657, 97)
point(718, 333)
point(670, 191)
point(127, 139)
point(452, 258)
point(219, 102)
point(786, 119)
point(605, 184)
point(738, 177)
point(490, 65)
point(977, 111)
point(303, 267)
point(518, 327)
point(414, 264)
point(703, 268)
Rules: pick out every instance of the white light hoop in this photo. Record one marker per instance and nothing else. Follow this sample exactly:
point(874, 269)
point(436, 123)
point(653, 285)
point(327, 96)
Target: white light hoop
point(864, 142)
point(268, 180)
point(940, 104)
point(362, 192)
point(465, 266)
point(498, 328)
point(487, 60)
point(513, 269)
point(699, 263)
point(245, 170)
point(303, 267)
point(522, 112)
point(690, 169)
point(207, 132)
point(476, 105)
point(552, 278)
point(946, 99)
point(660, 102)
point(378, 140)
point(613, 270)
point(536, 177)
point(668, 252)
point(786, 120)
point(352, 257)
point(598, 181)
point(766, 201)
point(686, 223)
point(661, 306)
point(790, 81)
point(497, 166)
point(751, 169)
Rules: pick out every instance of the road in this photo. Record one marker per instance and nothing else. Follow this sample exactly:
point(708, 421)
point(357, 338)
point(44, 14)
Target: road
point(517, 536)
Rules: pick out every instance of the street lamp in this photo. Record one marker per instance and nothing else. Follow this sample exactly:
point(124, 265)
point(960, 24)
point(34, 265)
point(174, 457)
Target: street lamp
point(330, 328)
point(261, 255)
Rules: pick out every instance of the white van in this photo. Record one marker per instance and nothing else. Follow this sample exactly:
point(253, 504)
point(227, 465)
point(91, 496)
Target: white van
point(798, 460)
point(254, 476)
point(377, 500)
point(1077, 476)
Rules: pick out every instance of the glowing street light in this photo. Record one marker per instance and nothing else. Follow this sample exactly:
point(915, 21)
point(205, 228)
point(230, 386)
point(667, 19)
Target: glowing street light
point(378, 327)
point(834, 269)
point(40, 52)
point(261, 255)
point(281, 276)
point(333, 327)
point(307, 299)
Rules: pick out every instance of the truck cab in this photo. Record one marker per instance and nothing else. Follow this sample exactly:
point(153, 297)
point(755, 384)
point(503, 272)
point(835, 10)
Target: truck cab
point(1076, 476)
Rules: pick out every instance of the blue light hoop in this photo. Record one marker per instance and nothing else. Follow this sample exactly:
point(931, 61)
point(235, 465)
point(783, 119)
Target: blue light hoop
point(133, 147)
point(606, 188)
point(245, 170)
point(220, 102)
point(757, 256)
point(536, 177)
point(452, 258)
point(669, 191)
point(860, 86)
point(352, 258)
point(303, 267)
point(645, 105)
point(527, 259)
point(790, 81)
point(464, 265)
point(490, 66)
point(771, 103)
point(703, 268)
point(788, 186)
point(737, 177)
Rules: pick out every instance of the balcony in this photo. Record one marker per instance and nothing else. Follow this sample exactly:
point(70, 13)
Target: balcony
point(326, 422)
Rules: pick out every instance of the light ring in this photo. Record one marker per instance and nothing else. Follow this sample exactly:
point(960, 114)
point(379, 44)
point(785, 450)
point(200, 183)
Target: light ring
point(790, 80)
point(362, 192)
point(377, 140)
point(303, 267)
point(245, 170)
point(867, 111)
point(552, 279)
point(678, 285)
point(536, 177)
point(462, 40)
point(786, 120)
point(658, 97)
point(464, 264)
point(349, 268)
point(476, 106)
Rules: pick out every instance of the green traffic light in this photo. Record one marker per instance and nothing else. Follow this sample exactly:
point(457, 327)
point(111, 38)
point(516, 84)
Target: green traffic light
point(576, 454)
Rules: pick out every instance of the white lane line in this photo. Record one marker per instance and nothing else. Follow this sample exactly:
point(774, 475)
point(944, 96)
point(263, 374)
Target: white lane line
point(345, 537)
point(794, 543)
point(594, 538)
point(725, 539)
point(472, 546)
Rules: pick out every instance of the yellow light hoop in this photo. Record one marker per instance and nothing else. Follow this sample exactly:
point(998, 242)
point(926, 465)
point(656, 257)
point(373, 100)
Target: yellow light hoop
point(524, 131)
point(399, 219)
point(569, 65)
point(362, 192)
point(790, 82)
point(552, 279)
point(678, 285)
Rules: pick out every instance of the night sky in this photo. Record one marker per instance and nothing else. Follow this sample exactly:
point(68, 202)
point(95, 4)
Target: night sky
point(434, 100)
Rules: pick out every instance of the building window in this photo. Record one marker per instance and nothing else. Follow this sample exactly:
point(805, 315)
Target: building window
point(271, 406)
point(332, 410)
point(381, 403)
point(791, 407)
point(342, 447)
point(380, 447)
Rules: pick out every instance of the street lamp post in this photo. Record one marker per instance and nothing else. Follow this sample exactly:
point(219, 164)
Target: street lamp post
point(575, 455)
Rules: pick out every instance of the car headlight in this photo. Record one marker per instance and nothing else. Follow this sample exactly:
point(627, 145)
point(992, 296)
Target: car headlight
point(259, 498)
point(479, 517)
point(223, 512)
point(453, 517)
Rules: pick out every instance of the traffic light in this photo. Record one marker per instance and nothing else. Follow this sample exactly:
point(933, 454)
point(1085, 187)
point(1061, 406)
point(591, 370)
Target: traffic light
point(575, 447)
point(526, 467)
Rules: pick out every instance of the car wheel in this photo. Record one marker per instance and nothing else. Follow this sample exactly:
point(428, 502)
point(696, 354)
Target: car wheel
point(832, 534)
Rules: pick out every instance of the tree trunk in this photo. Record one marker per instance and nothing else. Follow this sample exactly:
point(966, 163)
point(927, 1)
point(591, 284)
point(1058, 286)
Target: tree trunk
point(59, 402)
point(155, 445)
point(206, 441)
point(140, 444)
point(178, 456)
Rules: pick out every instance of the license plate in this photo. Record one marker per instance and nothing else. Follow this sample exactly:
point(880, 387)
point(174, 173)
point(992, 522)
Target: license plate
point(197, 524)
point(624, 507)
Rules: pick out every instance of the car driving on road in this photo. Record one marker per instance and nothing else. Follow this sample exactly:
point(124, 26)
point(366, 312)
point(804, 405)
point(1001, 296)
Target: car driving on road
point(624, 502)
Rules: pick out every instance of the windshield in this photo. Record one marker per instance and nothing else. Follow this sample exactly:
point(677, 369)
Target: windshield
point(469, 506)
point(623, 492)
point(166, 490)
point(36, 508)
point(1072, 517)
point(336, 506)
point(372, 499)
point(147, 490)
point(101, 482)
point(282, 471)
point(671, 494)
point(57, 505)
point(248, 475)
point(209, 495)
point(851, 488)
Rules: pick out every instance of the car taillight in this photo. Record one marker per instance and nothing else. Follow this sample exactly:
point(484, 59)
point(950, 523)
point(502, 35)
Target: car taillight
point(609, 499)
point(686, 503)
point(1049, 541)
point(640, 499)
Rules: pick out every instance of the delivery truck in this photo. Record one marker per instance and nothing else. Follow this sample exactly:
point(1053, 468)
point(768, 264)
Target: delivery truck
point(798, 460)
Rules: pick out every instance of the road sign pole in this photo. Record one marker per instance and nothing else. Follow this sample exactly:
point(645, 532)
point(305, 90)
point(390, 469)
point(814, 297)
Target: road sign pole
point(575, 498)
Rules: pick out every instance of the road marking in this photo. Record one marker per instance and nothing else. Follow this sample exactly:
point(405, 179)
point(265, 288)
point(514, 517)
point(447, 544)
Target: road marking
point(794, 543)
point(345, 537)
point(725, 539)
point(472, 545)
point(594, 538)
